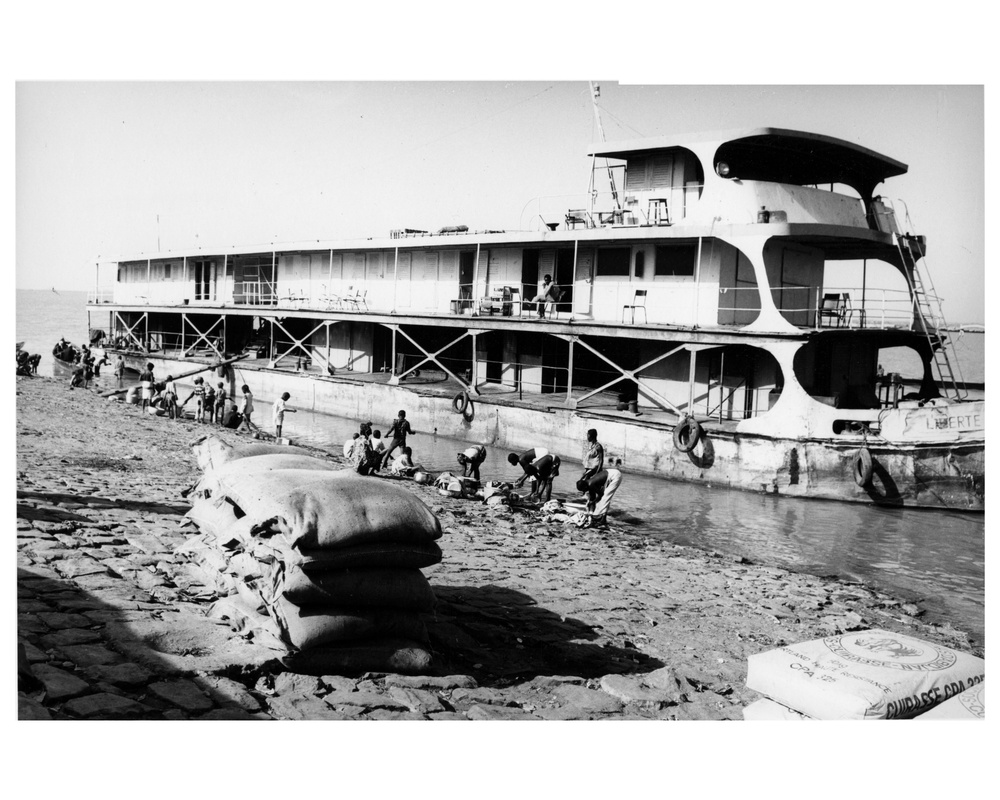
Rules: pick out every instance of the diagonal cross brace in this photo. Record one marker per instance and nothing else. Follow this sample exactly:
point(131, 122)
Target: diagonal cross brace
point(202, 337)
point(299, 342)
point(633, 374)
point(129, 329)
point(431, 357)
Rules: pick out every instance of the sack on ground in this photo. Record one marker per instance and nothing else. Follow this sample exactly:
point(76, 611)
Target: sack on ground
point(306, 628)
point(872, 674)
point(276, 559)
point(354, 658)
point(234, 474)
point(332, 512)
point(360, 588)
point(970, 704)
point(211, 451)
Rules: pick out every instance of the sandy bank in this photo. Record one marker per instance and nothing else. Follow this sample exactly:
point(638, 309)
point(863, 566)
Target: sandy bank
point(534, 620)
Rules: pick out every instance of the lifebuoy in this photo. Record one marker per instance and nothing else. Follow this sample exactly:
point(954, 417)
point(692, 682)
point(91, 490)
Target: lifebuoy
point(687, 434)
point(460, 402)
point(863, 467)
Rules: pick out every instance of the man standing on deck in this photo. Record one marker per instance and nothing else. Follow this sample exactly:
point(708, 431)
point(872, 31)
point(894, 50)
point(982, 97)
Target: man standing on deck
point(593, 455)
point(399, 430)
point(599, 488)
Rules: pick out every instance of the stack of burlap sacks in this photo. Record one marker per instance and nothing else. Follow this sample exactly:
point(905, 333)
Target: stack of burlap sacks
point(873, 674)
point(313, 560)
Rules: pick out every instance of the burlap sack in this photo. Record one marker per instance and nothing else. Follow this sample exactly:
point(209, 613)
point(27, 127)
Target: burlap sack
point(306, 628)
point(406, 589)
point(873, 674)
point(332, 510)
point(390, 555)
point(211, 452)
point(970, 704)
point(217, 479)
point(354, 658)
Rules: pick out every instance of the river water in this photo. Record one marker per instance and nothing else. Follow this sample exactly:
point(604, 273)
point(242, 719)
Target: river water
point(935, 557)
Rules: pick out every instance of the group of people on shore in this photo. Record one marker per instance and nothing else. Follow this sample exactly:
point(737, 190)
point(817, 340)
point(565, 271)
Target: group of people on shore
point(212, 404)
point(370, 455)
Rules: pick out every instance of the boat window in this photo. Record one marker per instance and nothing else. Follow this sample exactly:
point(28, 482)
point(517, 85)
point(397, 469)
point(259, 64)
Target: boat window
point(676, 260)
point(613, 262)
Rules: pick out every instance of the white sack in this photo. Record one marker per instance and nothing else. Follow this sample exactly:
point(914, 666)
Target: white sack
point(970, 704)
point(872, 674)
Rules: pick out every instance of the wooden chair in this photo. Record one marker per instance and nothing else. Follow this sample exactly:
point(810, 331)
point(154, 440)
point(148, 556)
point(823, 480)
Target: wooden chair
point(638, 304)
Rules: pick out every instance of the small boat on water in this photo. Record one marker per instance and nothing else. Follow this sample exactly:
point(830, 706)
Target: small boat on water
point(65, 352)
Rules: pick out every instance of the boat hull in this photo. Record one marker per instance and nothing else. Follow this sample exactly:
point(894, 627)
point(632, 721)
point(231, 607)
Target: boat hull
point(935, 475)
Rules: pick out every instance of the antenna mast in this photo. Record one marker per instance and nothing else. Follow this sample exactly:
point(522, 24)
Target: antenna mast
point(595, 92)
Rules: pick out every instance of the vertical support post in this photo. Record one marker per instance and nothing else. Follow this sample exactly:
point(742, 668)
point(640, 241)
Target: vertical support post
point(329, 364)
point(722, 382)
point(576, 247)
point(149, 278)
point(569, 375)
point(392, 366)
point(693, 356)
point(270, 353)
point(184, 324)
point(274, 279)
point(697, 285)
point(395, 276)
point(475, 361)
point(225, 270)
point(475, 278)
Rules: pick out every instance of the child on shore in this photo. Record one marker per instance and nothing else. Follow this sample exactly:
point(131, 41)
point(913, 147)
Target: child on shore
point(278, 412)
point(247, 409)
point(220, 403)
point(198, 393)
point(146, 385)
point(210, 402)
point(170, 398)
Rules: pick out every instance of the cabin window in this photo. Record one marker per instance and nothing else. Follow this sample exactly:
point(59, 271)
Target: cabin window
point(676, 260)
point(166, 272)
point(613, 262)
point(640, 264)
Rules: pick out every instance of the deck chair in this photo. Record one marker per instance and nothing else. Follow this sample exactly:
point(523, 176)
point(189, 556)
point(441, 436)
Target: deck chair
point(834, 307)
point(638, 304)
point(513, 299)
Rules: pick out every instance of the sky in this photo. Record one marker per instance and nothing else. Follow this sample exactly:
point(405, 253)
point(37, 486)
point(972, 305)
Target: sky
point(114, 168)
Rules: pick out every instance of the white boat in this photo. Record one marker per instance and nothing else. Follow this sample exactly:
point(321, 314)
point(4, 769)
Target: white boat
point(698, 322)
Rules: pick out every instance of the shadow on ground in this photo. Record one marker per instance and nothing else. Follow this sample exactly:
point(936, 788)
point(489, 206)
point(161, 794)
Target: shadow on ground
point(502, 636)
point(130, 657)
point(90, 501)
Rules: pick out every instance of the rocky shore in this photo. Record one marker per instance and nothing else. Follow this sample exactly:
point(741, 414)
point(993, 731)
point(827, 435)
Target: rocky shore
point(534, 620)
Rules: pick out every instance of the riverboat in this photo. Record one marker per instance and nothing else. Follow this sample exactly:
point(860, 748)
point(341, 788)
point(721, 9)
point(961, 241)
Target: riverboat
point(697, 317)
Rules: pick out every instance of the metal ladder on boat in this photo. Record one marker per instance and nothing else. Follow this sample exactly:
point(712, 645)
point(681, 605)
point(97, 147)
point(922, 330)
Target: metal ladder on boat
point(928, 316)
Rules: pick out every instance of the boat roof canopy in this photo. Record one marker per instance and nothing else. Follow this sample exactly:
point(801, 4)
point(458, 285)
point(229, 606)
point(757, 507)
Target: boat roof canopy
point(776, 154)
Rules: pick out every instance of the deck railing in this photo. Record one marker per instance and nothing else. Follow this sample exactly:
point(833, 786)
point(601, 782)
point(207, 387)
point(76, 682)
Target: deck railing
point(822, 307)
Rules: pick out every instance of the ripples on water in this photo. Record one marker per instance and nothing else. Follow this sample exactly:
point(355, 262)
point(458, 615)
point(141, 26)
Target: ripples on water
point(937, 557)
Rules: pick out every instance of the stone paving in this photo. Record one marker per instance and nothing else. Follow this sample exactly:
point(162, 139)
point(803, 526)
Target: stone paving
point(534, 620)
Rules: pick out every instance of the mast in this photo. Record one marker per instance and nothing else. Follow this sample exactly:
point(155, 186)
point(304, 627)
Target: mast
point(595, 92)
